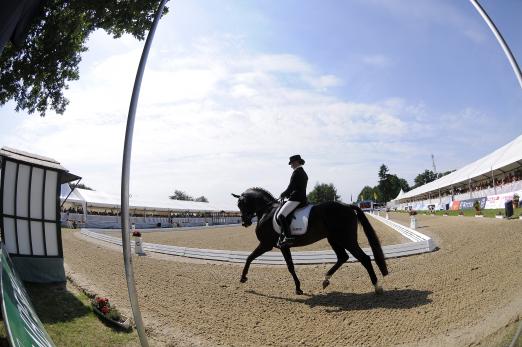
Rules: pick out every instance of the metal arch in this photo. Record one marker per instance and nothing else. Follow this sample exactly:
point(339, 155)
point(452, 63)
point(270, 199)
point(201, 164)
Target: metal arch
point(518, 74)
point(125, 174)
point(500, 39)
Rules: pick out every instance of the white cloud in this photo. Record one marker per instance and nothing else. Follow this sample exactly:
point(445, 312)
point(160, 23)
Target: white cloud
point(211, 125)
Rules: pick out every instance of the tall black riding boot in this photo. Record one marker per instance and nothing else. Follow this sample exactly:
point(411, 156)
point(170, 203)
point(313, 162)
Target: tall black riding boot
point(285, 239)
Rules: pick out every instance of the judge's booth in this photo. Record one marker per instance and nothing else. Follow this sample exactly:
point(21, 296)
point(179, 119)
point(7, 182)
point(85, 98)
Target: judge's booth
point(30, 214)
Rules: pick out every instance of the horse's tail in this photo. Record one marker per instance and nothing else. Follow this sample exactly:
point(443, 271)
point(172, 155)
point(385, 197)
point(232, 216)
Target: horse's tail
point(375, 244)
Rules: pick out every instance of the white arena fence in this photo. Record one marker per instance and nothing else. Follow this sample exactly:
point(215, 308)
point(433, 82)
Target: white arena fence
point(420, 243)
point(114, 222)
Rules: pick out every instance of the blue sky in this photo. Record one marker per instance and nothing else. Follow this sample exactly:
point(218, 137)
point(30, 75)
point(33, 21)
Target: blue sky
point(232, 89)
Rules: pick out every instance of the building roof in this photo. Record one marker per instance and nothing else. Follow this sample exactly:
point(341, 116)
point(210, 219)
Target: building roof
point(38, 160)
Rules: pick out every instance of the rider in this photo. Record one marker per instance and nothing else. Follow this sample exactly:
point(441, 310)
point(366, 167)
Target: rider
point(296, 193)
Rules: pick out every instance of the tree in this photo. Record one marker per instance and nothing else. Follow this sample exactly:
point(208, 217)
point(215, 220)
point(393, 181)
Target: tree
point(423, 178)
point(323, 192)
point(395, 186)
point(442, 174)
point(383, 172)
point(387, 189)
point(384, 185)
point(201, 199)
point(428, 176)
point(181, 195)
point(368, 193)
point(36, 74)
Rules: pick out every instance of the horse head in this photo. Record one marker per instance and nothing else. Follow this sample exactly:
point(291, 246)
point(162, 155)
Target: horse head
point(251, 202)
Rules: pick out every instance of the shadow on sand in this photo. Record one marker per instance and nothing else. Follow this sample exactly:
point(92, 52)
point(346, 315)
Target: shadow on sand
point(337, 301)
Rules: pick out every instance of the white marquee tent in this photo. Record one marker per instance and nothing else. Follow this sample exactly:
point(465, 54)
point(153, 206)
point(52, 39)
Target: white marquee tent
point(504, 159)
point(102, 200)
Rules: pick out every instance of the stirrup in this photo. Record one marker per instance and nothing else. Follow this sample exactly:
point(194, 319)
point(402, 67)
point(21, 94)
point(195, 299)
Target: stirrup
point(287, 241)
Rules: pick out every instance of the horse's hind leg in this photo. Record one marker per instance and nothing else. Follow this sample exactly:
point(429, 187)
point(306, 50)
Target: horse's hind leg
point(365, 260)
point(342, 257)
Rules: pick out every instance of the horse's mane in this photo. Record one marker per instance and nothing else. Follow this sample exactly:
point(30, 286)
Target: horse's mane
point(263, 191)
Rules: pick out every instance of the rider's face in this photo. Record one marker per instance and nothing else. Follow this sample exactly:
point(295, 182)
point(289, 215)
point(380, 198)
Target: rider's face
point(294, 164)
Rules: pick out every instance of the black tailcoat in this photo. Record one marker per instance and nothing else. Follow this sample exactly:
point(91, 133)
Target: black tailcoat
point(296, 190)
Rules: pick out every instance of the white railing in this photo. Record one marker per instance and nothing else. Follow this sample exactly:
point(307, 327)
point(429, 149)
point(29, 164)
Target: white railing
point(420, 244)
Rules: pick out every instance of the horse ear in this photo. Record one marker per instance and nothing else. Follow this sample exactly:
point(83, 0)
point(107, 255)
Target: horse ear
point(235, 195)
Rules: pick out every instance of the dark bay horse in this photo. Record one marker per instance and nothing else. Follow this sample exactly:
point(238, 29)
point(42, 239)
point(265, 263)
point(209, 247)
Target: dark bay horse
point(335, 221)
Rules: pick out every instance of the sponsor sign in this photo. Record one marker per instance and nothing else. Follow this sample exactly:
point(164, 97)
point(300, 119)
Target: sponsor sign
point(498, 201)
point(23, 326)
point(468, 204)
point(455, 205)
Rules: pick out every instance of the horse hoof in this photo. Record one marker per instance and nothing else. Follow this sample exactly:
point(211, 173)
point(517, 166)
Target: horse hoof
point(379, 290)
point(243, 279)
point(326, 283)
point(299, 292)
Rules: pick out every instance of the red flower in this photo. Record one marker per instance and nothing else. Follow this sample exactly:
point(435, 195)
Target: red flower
point(105, 310)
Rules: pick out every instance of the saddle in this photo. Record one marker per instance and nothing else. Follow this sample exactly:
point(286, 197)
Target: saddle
point(299, 223)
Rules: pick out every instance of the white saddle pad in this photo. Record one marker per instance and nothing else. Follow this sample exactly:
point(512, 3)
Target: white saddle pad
point(299, 221)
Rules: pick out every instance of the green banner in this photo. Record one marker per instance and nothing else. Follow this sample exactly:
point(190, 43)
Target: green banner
point(23, 326)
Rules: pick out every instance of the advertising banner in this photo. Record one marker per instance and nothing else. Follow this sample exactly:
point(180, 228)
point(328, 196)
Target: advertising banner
point(455, 205)
point(468, 204)
point(22, 324)
point(498, 201)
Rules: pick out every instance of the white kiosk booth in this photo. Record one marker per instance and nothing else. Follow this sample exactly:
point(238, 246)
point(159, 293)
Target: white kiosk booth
point(30, 214)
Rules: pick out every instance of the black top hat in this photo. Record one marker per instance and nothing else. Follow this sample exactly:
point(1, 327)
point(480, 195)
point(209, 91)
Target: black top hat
point(296, 157)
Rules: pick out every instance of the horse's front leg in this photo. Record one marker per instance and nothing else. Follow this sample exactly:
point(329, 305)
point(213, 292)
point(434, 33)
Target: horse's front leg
point(290, 264)
point(260, 249)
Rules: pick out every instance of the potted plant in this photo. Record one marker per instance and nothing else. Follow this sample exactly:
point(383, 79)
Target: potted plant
point(106, 311)
point(478, 212)
point(516, 199)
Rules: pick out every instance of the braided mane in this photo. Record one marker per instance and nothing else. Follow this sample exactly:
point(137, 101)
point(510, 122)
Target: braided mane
point(263, 191)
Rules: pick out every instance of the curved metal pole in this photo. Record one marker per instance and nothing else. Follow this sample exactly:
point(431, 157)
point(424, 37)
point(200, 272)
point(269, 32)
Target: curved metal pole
point(127, 149)
point(518, 74)
point(500, 39)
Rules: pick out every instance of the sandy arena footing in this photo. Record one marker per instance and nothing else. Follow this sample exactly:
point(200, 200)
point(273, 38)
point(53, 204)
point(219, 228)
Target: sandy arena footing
point(457, 296)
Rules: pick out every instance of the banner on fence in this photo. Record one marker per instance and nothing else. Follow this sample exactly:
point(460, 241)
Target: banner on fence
point(498, 201)
point(22, 324)
point(468, 204)
point(455, 205)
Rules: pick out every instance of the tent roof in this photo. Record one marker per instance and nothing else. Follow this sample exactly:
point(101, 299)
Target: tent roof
point(501, 160)
point(104, 200)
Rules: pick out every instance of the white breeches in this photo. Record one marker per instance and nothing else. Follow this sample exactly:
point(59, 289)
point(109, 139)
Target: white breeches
point(288, 208)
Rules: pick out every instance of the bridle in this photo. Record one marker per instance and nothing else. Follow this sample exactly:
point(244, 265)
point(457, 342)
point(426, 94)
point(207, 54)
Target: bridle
point(260, 211)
